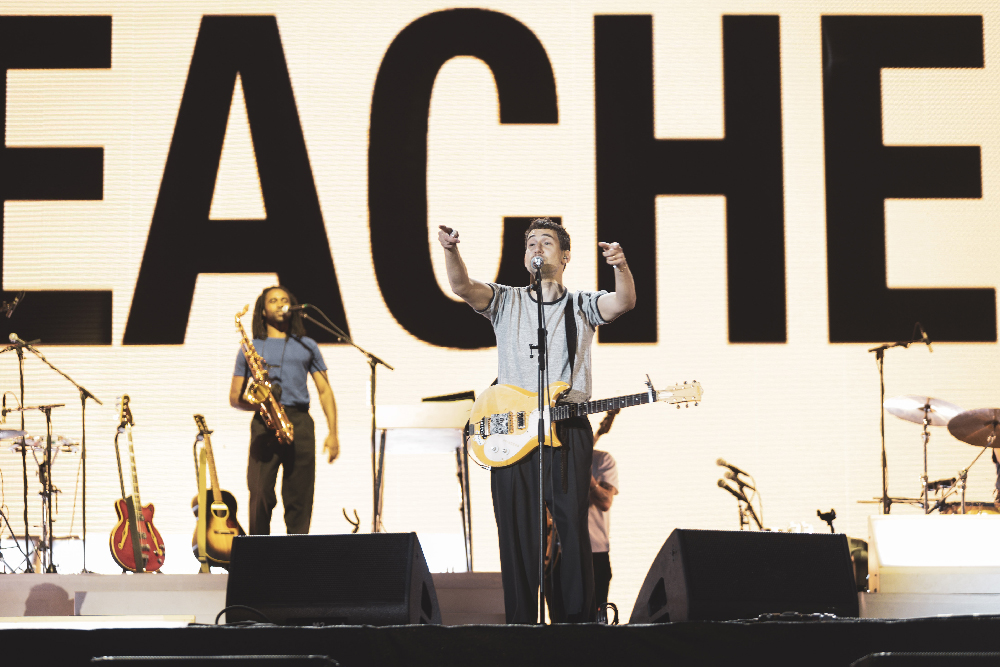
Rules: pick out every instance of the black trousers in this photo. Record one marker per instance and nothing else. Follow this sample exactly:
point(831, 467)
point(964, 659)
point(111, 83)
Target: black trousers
point(602, 576)
point(298, 477)
point(515, 506)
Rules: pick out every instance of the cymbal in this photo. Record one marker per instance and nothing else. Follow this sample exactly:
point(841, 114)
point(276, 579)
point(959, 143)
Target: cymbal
point(980, 428)
point(911, 408)
point(6, 434)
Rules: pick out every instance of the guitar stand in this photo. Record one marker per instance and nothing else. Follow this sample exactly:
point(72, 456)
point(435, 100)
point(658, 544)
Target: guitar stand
point(201, 530)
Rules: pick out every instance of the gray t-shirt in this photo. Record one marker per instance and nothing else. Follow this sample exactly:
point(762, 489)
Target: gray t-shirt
point(514, 314)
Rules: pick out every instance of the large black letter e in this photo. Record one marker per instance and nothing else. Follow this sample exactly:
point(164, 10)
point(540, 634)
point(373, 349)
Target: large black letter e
point(862, 172)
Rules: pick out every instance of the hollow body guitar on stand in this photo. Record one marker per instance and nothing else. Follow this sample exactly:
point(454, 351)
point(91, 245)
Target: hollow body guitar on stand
point(503, 426)
point(136, 544)
point(219, 523)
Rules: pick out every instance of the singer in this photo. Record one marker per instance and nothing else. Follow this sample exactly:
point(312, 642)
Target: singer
point(571, 319)
point(279, 337)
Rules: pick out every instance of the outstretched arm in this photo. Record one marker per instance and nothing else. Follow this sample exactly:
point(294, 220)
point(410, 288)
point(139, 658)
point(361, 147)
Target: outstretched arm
point(622, 299)
point(474, 292)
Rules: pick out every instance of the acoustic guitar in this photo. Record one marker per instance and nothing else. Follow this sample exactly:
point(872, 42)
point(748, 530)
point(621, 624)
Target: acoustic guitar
point(136, 544)
point(503, 426)
point(221, 525)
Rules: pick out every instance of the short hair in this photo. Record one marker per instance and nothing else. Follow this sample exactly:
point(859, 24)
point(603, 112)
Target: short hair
point(548, 223)
point(259, 327)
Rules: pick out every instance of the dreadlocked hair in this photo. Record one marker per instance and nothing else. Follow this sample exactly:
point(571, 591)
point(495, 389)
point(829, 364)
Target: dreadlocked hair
point(259, 326)
point(550, 224)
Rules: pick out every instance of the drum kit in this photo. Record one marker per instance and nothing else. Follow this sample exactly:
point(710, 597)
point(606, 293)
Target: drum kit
point(979, 428)
point(44, 449)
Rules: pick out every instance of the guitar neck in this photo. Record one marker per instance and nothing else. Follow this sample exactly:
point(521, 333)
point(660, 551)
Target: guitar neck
point(568, 410)
point(135, 478)
point(211, 469)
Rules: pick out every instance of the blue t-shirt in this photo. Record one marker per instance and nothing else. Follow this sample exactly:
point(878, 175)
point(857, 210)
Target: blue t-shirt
point(290, 360)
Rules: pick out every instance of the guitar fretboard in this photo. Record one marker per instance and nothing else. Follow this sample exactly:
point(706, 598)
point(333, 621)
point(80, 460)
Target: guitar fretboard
point(567, 410)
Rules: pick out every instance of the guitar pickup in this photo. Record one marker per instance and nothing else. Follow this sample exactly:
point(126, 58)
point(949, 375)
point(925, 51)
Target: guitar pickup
point(500, 424)
point(520, 420)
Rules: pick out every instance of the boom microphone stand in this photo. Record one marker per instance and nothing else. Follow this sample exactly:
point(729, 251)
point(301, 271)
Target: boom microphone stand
point(536, 263)
point(84, 395)
point(880, 361)
point(373, 363)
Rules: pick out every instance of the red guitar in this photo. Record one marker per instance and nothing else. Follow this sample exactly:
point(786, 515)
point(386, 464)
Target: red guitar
point(134, 533)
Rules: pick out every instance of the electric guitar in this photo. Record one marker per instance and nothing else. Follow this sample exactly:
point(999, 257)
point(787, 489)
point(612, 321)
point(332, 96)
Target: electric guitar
point(221, 525)
point(136, 544)
point(503, 426)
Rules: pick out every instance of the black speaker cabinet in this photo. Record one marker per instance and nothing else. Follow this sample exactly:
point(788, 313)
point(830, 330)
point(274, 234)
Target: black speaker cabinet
point(376, 579)
point(714, 575)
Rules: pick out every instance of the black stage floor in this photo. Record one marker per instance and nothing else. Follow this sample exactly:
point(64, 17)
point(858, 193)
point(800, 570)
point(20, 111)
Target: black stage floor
point(801, 643)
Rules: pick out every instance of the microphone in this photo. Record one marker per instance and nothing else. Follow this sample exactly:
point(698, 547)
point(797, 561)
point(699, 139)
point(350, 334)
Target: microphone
point(729, 474)
point(722, 462)
point(17, 341)
point(923, 336)
point(742, 496)
point(536, 262)
point(13, 304)
point(302, 306)
point(739, 496)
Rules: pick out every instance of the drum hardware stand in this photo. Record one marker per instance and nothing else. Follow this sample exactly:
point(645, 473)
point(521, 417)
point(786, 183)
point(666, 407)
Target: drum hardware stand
point(880, 362)
point(373, 363)
point(925, 479)
point(963, 475)
point(46, 541)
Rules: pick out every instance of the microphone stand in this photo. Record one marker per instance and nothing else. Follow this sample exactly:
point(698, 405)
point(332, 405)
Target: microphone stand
point(373, 363)
point(541, 349)
point(880, 362)
point(84, 395)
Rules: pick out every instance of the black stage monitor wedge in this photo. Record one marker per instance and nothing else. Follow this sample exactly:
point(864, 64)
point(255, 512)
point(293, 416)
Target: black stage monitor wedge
point(718, 575)
point(376, 579)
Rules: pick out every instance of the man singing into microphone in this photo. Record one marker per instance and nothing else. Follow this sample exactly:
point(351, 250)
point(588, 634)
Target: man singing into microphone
point(571, 319)
point(279, 337)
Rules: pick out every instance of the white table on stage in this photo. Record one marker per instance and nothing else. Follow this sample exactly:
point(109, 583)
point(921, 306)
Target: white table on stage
point(424, 428)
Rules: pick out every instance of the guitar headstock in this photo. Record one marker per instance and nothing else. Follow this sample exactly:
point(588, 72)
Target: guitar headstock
point(203, 429)
point(124, 412)
point(687, 392)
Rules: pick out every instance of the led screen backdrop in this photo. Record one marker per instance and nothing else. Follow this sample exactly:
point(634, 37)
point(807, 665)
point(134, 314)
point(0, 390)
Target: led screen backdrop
point(792, 182)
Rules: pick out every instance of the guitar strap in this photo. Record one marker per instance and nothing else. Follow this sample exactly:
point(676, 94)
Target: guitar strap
point(570, 325)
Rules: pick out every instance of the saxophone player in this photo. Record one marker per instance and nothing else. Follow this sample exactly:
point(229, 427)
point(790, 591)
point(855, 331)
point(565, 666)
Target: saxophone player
point(279, 337)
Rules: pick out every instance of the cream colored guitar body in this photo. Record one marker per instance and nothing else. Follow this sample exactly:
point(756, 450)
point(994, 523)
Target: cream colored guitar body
point(503, 426)
point(510, 408)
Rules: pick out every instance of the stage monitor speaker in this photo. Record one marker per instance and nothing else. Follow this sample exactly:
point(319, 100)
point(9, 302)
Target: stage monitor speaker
point(376, 579)
point(714, 575)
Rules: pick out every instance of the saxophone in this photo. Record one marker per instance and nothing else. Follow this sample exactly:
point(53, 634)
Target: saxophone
point(258, 390)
